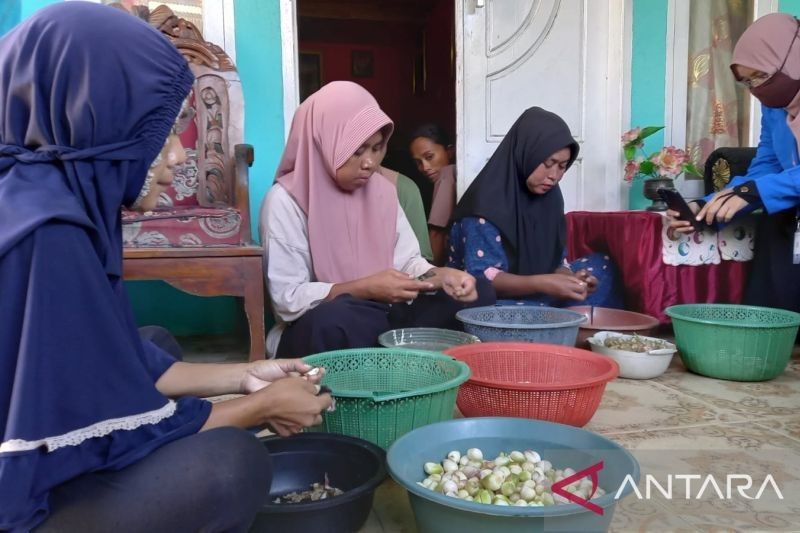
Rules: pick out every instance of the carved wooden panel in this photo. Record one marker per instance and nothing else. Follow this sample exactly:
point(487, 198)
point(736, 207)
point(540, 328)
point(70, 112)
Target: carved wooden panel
point(214, 157)
point(189, 40)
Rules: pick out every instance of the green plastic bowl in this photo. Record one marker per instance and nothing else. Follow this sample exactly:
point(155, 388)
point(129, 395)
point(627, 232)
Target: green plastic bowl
point(564, 446)
point(734, 342)
point(383, 393)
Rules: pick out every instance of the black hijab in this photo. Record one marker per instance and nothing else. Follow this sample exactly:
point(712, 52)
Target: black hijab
point(532, 225)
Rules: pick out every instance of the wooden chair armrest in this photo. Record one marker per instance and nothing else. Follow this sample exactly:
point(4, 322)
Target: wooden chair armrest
point(243, 154)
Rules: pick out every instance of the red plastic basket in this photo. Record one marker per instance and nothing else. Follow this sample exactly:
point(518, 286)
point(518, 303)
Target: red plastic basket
point(540, 381)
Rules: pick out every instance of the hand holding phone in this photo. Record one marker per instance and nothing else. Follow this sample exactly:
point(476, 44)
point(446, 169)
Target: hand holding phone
point(677, 203)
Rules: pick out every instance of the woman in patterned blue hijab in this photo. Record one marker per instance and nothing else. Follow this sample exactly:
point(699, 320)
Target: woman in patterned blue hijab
point(88, 96)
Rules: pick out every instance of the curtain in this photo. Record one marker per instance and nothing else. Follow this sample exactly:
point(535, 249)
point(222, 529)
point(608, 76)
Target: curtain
point(716, 110)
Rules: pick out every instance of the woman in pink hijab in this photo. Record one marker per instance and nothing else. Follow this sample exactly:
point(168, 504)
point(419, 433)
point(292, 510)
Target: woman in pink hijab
point(339, 253)
point(766, 60)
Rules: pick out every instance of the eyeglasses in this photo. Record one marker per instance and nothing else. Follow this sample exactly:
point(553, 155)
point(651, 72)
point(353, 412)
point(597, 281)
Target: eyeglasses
point(755, 81)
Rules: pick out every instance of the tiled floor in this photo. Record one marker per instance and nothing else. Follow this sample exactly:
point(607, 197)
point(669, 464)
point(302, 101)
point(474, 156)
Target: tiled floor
point(680, 423)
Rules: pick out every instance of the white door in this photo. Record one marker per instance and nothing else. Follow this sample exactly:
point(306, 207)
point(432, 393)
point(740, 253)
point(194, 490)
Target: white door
point(563, 55)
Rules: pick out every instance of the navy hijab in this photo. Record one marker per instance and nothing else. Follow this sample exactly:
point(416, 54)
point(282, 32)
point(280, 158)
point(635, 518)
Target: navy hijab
point(532, 225)
point(88, 95)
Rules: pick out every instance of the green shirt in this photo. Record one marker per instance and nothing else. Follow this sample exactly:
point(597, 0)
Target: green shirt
point(411, 202)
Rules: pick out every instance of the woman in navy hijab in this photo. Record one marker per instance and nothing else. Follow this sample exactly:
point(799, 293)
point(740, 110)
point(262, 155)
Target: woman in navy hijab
point(100, 431)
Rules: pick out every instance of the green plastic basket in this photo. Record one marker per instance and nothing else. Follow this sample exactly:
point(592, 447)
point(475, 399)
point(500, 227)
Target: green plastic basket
point(735, 342)
point(383, 393)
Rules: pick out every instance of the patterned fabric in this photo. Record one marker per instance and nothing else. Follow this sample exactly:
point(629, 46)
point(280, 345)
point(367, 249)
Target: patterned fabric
point(476, 246)
point(734, 242)
point(182, 227)
point(183, 191)
point(187, 177)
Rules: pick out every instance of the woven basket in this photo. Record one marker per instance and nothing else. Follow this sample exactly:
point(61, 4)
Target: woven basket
point(735, 342)
point(383, 393)
point(517, 323)
point(542, 381)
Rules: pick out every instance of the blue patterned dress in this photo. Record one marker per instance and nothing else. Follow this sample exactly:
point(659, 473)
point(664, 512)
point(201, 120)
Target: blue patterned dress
point(476, 246)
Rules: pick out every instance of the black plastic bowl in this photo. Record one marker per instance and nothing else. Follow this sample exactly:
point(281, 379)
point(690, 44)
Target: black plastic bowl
point(354, 465)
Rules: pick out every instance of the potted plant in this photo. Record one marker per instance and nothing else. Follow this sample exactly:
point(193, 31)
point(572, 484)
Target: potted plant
point(659, 169)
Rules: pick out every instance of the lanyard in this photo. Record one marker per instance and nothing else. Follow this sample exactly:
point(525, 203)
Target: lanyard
point(796, 247)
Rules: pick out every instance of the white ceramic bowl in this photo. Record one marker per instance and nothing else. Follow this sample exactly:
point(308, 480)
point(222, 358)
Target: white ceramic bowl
point(634, 365)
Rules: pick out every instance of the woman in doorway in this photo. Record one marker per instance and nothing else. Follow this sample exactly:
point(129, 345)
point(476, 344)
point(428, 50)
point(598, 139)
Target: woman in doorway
point(342, 261)
point(767, 60)
point(510, 228)
point(432, 152)
point(99, 429)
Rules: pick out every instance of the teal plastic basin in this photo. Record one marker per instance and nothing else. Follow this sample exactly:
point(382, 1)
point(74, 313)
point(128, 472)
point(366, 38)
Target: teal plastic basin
point(564, 446)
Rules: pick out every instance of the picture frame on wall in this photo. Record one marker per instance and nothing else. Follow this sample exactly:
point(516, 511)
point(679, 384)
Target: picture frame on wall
point(362, 64)
point(310, 73)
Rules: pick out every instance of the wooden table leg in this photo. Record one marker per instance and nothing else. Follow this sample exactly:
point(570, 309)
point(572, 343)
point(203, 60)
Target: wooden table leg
point(254, 306)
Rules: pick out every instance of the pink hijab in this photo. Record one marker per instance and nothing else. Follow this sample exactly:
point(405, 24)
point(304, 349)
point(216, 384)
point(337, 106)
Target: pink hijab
point(763, 45)
point(351, 234)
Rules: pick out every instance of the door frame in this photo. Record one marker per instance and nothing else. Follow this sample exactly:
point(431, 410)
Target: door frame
point(289, 49)
point(618, 94)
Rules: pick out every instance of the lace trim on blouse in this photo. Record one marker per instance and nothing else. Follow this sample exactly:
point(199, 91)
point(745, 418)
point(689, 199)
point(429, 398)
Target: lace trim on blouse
point(100, 429)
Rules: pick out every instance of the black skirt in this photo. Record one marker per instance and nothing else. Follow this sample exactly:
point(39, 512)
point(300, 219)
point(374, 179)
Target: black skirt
point(774, 280)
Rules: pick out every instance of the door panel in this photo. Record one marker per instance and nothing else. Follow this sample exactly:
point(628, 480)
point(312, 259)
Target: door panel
point(555, 54)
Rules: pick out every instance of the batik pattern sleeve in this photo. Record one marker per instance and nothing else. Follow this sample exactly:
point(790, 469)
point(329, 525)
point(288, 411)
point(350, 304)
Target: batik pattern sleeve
point(480, 250)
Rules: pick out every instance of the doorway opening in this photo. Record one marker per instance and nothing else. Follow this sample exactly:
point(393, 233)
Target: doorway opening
point(401, 51)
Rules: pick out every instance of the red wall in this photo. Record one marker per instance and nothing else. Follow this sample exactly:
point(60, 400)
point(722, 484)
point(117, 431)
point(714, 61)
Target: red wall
point(394, 45)
point(391, 66)
point(438, 103)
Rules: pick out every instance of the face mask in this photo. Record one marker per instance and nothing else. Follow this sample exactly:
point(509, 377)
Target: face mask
point(778, 91)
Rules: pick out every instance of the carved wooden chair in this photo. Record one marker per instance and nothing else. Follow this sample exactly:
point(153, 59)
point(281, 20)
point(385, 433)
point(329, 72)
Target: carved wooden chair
point(199, 239)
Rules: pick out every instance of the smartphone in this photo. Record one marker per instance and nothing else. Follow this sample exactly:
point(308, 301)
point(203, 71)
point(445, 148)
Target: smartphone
point(677, 203)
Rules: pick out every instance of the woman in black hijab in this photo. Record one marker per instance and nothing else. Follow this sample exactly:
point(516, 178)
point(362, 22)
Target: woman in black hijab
point(509, 226)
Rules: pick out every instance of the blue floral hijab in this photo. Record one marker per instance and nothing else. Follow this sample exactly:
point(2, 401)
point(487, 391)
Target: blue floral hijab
point(88, 95)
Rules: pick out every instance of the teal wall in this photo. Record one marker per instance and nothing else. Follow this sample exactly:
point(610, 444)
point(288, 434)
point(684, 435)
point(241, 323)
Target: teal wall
point(790, 6)
point(648, 68)
point(29, 6)
point(258, 57)
point(9, 14)
point(13, 11)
